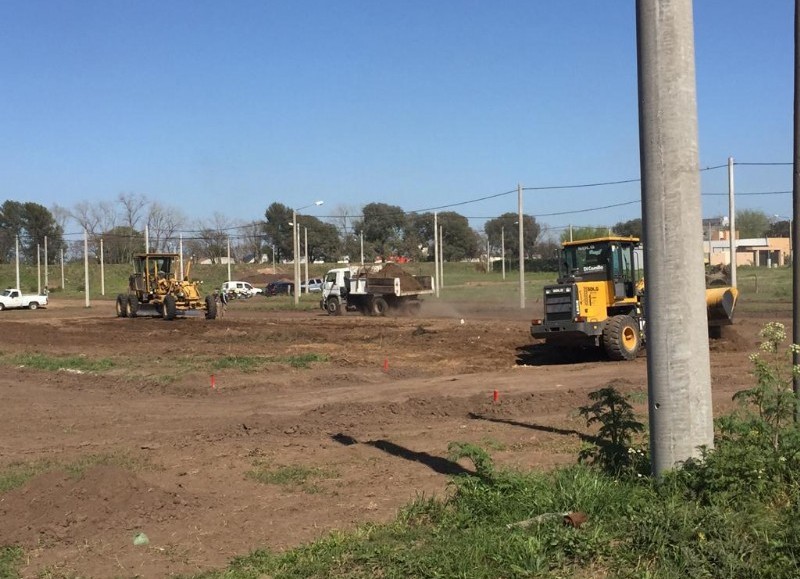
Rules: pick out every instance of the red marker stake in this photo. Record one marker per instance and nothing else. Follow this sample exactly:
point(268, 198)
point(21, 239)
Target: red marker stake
point(213, 383)
point(495, 396)
point(386, 364)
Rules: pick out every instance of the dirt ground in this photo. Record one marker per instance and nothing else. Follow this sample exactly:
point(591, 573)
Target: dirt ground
point(169, 454)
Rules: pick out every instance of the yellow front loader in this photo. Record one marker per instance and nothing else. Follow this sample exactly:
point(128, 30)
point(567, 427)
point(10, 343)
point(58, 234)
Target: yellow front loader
point(599, 299)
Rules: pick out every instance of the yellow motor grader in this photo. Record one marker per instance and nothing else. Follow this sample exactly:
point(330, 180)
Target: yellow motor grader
point(599, 299)
point(153, 286)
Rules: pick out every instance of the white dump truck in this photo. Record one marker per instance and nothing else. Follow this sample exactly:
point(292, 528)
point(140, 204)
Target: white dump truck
point(13, 298)
point(374, 290)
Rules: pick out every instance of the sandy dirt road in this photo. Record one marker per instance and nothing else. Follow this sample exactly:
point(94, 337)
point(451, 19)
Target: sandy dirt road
point(368, 424)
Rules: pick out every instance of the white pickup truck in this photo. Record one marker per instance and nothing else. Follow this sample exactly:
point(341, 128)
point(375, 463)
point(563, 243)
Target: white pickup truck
point(14, 298)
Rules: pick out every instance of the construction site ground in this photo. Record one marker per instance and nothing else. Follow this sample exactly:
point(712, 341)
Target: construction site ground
point(350, 418)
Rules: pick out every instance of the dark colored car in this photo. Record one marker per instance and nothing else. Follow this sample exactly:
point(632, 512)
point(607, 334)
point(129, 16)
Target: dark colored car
point(279, 288)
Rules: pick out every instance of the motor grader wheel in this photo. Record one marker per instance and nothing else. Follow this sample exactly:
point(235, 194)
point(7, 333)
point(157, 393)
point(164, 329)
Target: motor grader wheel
point(132, 306)
point(169, 308)
point(621, 338)
point(211, 308)
point(122, 306)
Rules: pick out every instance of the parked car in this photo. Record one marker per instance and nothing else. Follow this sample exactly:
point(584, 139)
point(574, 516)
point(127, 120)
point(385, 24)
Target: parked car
point(14, 298)
point(314, 285)
point(240, 289)
point(279, 288)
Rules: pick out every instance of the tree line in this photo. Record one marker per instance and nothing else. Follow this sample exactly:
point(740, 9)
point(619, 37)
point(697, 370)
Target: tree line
point(386, 230)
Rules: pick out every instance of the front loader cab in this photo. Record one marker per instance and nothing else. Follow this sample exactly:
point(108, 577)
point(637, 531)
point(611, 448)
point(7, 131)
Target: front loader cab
point(605, 259)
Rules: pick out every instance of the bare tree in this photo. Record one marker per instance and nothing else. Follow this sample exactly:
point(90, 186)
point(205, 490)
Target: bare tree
point(250, 240)
point(212, 238)
point(132, 209)
point(163, 222)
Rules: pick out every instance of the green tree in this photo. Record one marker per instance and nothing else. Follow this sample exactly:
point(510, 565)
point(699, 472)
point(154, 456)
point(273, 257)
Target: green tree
point(630, 228)
point(32, 223)
point(121, 243)
point(509, 223)
point(278, 230)
point(459, 241)
point(752, 223)
point(323, 238)
point(579, 233)
point(383, 226)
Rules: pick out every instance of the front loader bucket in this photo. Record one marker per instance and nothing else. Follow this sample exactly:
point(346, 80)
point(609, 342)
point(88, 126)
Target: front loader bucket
point(720, 302)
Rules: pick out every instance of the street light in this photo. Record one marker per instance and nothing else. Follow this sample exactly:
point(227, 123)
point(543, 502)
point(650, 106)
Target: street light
point(296, 248)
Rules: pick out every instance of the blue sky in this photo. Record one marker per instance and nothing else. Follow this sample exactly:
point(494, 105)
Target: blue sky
point(230, 106)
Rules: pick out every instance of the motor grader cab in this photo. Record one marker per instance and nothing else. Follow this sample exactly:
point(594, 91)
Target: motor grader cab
point(599, 298)
point(154, 285)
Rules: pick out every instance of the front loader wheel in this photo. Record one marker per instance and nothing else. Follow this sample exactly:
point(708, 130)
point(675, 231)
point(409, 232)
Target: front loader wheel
point(122, 306)
point(211, 308)
point(169, 309)
point(621, 338)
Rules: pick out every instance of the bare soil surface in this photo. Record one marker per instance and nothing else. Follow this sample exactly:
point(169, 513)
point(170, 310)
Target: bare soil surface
point(167, 455)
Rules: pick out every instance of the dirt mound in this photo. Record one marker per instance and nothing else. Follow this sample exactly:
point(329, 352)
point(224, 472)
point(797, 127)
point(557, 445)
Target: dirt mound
point(58, 507)
point(731, 341)
point(407, 281)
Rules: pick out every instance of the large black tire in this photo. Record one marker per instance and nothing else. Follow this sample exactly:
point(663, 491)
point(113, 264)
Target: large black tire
point(122, 306)
point(333, 306)
point(380, 306)
point(169, 308)
point(621, 338)
point(211, 308)
point(2, 307)
point(132, 306)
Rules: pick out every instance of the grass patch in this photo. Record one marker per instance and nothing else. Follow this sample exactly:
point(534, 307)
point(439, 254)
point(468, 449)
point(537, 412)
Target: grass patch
point(16, 474)
point(56, 363)
point(289, 476)
point(255, 363)
point(10, 558)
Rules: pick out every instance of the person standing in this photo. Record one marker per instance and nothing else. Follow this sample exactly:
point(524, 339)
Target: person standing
point(222, 301)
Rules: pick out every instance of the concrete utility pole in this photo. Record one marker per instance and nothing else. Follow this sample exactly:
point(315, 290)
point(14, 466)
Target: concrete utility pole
point(296, 249)
point(102, 270)
point(796, 210)
point(38, 269)
point(46, 281)
point(521, 250)
point(732, 222)
point(62, 270)
point(441, 256)
point(305, 251)
point(503, 249)
point(678, 366)
point(436, 253)
point(16, 253)
point(229, 258)
point(180, 252)
point(86, 266)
